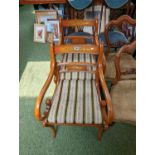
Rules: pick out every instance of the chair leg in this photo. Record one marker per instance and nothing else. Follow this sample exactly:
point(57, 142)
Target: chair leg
point(100, 131)
point(53, 131)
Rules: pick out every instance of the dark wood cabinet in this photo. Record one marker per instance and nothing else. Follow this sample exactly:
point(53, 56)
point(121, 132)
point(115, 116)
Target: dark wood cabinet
point(42, 1)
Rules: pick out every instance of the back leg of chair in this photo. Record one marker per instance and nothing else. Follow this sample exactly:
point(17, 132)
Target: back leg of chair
point(53, 131)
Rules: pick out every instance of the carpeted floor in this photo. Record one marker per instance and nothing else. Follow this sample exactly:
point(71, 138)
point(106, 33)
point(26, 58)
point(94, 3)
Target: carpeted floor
point(120, 139)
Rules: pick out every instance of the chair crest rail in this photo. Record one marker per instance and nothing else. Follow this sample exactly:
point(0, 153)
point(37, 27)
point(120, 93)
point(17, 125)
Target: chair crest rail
point(92, 49)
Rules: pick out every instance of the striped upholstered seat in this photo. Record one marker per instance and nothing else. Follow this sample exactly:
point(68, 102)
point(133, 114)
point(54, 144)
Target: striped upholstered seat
point(78, 58)
point(75, 101)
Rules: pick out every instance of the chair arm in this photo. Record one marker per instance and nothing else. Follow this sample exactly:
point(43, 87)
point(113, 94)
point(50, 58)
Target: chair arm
point(124, 49)
point(109, 118)
point(37, 112)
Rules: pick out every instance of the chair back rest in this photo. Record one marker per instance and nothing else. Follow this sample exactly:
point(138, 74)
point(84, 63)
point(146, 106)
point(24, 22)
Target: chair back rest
point(124, 24)
point(74, 25)
point(78, 59)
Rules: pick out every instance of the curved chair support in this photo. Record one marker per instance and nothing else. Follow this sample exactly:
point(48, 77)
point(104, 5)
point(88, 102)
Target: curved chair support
point(37, 112)
point(108, 117)
point(129, 49)
point(117, 23)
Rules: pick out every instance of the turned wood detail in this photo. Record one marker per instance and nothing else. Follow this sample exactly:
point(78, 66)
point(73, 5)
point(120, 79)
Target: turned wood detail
point(47, 109)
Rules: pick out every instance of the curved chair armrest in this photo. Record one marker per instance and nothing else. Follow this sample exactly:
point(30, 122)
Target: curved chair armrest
point(129, 49)
point(107, 96)
point(37, 112)
point(41, 95)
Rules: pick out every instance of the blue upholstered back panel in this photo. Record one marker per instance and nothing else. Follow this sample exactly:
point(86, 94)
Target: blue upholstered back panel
point(88, 40)
point(114, 37)
point(80, 4)
point(115, 4)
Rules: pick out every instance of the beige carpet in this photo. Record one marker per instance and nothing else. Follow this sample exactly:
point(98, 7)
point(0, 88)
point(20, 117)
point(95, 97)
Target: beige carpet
point(33, 78)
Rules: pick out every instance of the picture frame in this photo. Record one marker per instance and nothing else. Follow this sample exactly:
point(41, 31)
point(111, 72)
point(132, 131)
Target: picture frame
point(40, 33)
point(43, 16)
point(52, 27)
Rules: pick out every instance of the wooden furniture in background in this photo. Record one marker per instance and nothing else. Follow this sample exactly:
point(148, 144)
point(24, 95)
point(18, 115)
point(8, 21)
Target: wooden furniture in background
point(123, 71)
point(123, 92)
point(115, 38)
point(122, 65)
point(116, 28)
point(42, 1)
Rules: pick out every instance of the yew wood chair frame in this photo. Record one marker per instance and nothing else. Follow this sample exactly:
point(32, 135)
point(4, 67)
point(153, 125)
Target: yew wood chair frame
point(117, 23)
point(76, 23)
point(106, 105)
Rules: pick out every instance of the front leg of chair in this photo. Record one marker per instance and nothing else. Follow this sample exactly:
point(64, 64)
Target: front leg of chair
point(100, 132)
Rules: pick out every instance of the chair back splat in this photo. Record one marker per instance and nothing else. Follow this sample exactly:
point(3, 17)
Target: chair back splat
point(67, 27)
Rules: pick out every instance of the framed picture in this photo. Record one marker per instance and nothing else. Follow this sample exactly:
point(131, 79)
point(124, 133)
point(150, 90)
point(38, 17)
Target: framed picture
point(53, 27)
point(43, 16)
point(40, 33)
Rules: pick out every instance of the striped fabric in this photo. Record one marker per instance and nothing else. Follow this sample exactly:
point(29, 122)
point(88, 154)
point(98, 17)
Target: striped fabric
point(78, 58)
point(75, 101)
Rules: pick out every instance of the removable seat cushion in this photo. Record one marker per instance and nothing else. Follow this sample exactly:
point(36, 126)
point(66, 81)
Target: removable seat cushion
point(75, 101)
point(126, 62)
point(116, 38)
point(78, 58)
point(123, 96)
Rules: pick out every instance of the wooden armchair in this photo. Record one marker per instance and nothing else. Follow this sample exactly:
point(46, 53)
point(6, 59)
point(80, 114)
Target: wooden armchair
point(76, 100)
point(123, 93)
point(118, 33)
point(122, 65)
